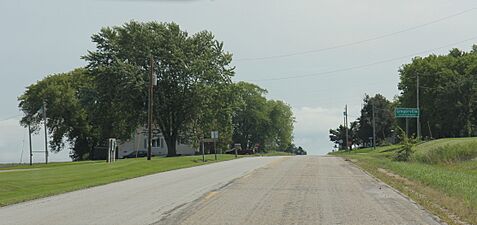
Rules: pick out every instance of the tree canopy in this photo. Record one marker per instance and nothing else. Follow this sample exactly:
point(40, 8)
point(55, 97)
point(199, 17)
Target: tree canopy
point(447, 93)
point(194, 94)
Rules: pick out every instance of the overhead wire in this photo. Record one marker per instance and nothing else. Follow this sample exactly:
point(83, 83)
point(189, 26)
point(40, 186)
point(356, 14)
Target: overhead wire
point(11, 117)
point(364, 65)
point(355, 42)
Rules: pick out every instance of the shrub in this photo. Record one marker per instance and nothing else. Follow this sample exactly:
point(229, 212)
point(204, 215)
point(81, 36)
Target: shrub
point(405, 152)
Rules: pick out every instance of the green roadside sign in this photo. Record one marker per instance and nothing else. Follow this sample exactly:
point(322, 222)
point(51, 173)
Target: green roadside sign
point(406, 113)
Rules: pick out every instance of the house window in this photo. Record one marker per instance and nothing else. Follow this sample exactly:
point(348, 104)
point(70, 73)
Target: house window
point(154, 143)
point(162, 142)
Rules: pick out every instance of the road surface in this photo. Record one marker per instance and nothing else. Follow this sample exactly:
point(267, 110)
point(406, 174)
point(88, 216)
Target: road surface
point(277, 190)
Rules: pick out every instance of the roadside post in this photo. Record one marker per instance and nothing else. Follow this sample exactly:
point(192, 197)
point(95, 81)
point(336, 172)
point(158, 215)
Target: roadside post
point(215, 135)
point(203, 150)
point(408, 113)
point(112, 150)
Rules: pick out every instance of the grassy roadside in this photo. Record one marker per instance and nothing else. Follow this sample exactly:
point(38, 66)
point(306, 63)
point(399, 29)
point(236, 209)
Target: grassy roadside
point(447, 188)
point(42, 180)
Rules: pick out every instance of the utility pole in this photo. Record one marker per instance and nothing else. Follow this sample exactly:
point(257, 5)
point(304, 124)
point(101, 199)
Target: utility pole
point(149, 110)
point(215, 149)
point(46, 132)
point(374, 129)
point(203, 150)
point(29, 139)
point(346, 126)
point(418, 123)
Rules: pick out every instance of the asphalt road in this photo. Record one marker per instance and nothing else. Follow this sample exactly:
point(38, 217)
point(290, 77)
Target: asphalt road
point(139, 201)
point(303, 190)
point(275, 190)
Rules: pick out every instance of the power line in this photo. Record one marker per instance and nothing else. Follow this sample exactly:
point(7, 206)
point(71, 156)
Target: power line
point(355, 42)
point(364, 65)
point(11, 117)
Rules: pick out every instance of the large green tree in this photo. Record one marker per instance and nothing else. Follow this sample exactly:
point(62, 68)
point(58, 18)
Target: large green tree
point(187, 68)
point(250, 118)
point(66, 96)
point(280, 126)
point(384, 119)
point(447, 93)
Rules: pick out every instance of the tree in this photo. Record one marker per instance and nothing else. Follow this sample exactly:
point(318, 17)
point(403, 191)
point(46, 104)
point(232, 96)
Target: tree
point(65, 96)
point(250, 118)
point(338, 136)
point(384, 119)
point(280, 127)
point(187, 67)
point(447, 93)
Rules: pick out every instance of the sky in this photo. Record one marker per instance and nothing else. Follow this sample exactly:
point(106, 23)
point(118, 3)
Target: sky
point(316, 55)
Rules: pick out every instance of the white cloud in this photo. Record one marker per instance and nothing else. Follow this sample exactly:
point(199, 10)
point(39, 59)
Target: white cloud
point(309, 119)
point(312, 126)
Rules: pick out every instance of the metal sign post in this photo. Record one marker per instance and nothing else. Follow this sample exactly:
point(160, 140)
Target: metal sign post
point(408, 113)
point(215, 135)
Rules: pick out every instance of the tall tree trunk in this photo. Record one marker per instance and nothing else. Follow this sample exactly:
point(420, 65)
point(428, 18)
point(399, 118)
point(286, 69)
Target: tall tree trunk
point(171, 146)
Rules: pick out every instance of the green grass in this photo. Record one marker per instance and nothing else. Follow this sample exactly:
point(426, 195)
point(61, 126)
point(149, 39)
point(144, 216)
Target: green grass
point(441, 175)
point(446, 151)
point(56, 178)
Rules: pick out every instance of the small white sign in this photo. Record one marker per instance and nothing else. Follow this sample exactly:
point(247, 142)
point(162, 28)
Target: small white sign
point(214, 135)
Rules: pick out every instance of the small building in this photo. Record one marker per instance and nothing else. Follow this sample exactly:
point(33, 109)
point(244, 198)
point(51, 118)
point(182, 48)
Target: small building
point(159, 147)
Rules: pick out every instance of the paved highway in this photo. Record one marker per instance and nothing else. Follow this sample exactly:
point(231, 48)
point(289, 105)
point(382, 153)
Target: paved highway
point(272, 190)
point(303, 190)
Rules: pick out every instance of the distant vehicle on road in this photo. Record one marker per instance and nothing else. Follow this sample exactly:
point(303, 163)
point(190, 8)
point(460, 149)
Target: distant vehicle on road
point(139, 154)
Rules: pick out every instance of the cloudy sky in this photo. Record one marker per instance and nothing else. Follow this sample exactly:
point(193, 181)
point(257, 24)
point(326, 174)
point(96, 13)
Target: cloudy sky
point(317, 55)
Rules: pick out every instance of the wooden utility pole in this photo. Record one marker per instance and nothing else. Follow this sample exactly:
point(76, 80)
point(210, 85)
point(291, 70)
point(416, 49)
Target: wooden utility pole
point(149, 110)
point(346, 127)
point(418, 123)
point(374, 129)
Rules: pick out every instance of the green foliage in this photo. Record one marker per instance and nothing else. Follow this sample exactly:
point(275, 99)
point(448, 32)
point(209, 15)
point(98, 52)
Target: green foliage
point(448, 93)
point(384, 117)
point(258, 121)
point(404, 153)
point(296, 150)
point(338, 136)
point(189, 70)
point(56, 178)
point(457, 181)
point(446, 151)
point(194, 94)
point(66, 96)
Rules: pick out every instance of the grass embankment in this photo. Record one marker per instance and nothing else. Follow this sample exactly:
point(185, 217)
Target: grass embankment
point(42, 180)
point(441, 175)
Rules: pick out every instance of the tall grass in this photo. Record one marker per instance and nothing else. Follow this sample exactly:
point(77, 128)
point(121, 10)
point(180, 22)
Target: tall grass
point(447, 152)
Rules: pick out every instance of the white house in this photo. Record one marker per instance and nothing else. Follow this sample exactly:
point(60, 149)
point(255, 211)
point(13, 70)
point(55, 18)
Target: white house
point(159, 147)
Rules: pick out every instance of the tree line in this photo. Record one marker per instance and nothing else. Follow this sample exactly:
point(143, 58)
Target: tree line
point(448, 102)
point(193, 96)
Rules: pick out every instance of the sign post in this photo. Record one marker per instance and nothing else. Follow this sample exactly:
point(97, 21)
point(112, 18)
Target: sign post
point(407, 113)
point(215, 135)
point(112, 150)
